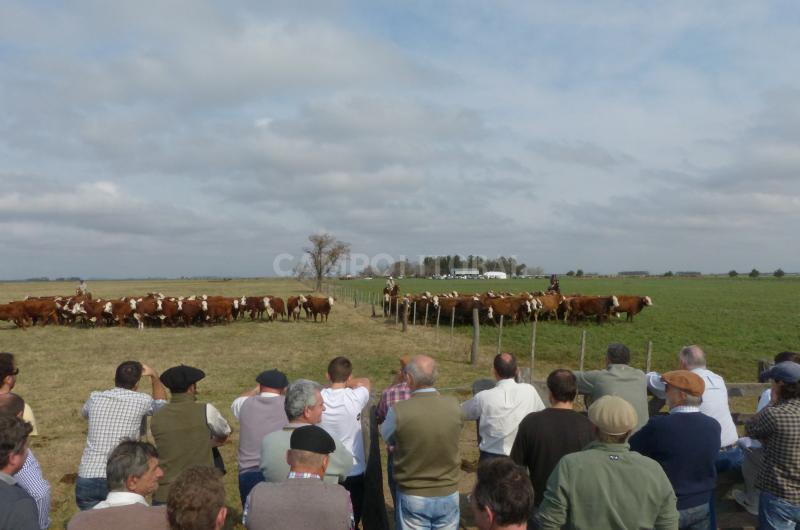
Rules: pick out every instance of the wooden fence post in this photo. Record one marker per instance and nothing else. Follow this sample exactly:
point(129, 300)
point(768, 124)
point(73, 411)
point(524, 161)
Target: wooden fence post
point(396, 308)
point(405, 315)
point(425, 324)
point(452, 325)
point(649, 355)
point(533, 342)
point(476, 336)
point(500, 336)
point(583, 348)
point(414, 322)
point(438, 314)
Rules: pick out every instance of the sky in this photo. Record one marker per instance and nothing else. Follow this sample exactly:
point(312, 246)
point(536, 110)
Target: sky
point(197, 138)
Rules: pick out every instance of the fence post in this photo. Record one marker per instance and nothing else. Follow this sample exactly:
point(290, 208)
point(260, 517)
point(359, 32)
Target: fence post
point(452, 325)
point(649, 355)
point(425, 324)
point(500, 336)
point(405, 315)
point(396, 308)
point(583, 348)
point(476, 336)
point(414, 322)
point(438, 314)
point(533, 343)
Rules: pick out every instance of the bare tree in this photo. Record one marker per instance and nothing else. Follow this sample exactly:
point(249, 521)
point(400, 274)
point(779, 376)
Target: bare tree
point(324, 255)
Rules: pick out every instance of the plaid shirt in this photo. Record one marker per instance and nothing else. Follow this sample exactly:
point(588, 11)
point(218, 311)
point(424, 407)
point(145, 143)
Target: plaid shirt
point(114, 415)
point(390, 396)
point(778, 427)
point(30, 478)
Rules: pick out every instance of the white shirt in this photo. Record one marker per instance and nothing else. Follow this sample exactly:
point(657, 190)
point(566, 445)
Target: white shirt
point(342, 420)
point(120, 498)
point(715, 401)
point(218, 425)
point(501, 409)
point(236, 406)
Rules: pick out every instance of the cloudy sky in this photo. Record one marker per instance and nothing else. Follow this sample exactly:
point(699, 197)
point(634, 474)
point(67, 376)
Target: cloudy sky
point(208, 138)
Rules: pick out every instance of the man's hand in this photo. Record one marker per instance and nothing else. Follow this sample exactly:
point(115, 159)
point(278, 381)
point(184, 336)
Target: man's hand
point(147, 371)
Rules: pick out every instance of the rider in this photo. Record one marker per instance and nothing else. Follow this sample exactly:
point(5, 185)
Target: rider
point(554, 284)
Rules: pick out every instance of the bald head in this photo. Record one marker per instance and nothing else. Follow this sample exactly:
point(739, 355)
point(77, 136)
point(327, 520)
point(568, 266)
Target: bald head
point(11, 404)
point(422, 371)
point(693, 357)
point(505, 365)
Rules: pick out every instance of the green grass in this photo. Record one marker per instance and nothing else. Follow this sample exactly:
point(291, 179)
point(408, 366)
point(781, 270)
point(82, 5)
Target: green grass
point(736, 321)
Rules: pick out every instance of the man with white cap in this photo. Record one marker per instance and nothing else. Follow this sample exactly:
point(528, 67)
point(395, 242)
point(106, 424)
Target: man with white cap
point(686, 443)
point(778, 427)
point(607, 485)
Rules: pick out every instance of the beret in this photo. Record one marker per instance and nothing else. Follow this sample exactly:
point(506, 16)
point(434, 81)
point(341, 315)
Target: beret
point(689, 382)
point(787, 371)
point(613, 415)
point(272, 379)
point(313, 439)
point(179, 378)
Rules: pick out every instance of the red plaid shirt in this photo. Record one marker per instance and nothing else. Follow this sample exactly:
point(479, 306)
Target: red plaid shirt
point(390, 396)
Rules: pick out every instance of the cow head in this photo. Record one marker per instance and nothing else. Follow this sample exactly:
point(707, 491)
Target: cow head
point(614, 301)
point(204, 305)
point(180, 304)
point(78, 309)
point(330, 301)
point(236, 303)
point(648, 300)
point(158, 305)
point(428, 294)
point(193, 297)
point(204, 297)
point(268, 307)
point(132, 303)
point(303, 299)
point(455, 294)
point(107, 307)
point(243, 300)
point(490, 314)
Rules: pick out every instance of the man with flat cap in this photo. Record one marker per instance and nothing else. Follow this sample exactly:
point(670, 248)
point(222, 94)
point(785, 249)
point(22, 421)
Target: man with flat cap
point(303, 501)
point(185, 431)
point(260, 411)
point(686, 443)
point(777, 426)
point(606, 485)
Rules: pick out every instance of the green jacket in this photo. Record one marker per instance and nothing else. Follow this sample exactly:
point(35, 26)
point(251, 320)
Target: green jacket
point(617, 380)
point(608, 486)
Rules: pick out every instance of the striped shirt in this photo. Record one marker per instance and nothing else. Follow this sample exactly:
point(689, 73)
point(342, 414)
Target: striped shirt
point(778, 428)
point(114, 415)
point(30, 479)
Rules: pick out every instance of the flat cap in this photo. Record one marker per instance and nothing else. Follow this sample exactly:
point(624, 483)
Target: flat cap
point(179, 378)
point(787, 371)
point(272, 379)
point(689, 382)
point(613, 415)
point(313, 439)
point(404, 360)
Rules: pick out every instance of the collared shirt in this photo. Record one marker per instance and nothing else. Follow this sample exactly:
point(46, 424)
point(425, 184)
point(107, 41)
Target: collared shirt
point(390, 396)
point(114, 415)
point(8, 479)
point(778, 428)
point(342, 420)
point(500, 410)
point(31, 479)
point(236, 406)
point(120, 498)
point(389, 425)
point(682, 409)
point(715, 401)
point(216, 422)
point(294, 474)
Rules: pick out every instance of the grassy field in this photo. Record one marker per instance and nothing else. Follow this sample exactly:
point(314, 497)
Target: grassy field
point(736, 321)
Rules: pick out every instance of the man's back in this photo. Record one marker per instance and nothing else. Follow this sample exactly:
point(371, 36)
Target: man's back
point(608, 486)
point(299, 503)
point(273, 457)
point(258, 417)
point(128, 517)
point(617, 380)
point(17, 508)
point(342, 420)
point(715, 404)
point(546, 436)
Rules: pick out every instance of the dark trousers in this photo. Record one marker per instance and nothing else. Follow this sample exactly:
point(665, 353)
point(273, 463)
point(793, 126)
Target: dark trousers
point(90, 491)
point(390, 478)
point(487, 456)
point(355, 485)
point(247, 481)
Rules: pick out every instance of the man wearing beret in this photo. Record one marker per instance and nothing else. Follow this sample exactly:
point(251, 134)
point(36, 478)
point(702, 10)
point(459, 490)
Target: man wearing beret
point(686, 444)
point(260, 411)
point(606, 485)
point(303, 501)
point(777, 426)
point(185, 431)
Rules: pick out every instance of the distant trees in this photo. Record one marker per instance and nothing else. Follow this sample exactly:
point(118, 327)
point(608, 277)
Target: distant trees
point(754, 273)
point(669, 274)
point(733, 274)
point(324, 255)
point(570, 273)
point(779, 273)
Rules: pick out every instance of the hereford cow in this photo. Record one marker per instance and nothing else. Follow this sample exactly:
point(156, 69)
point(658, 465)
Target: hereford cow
point(191, 311)
point(549, 304)
point(277, 307)
point(631, 305)
point(147, 309)
point(14, 313)
point(218, 310)
point(319, 305)
point(586, 306)
point(43, 311)
point(513, 307)
point(122, 310)
point(294, 305)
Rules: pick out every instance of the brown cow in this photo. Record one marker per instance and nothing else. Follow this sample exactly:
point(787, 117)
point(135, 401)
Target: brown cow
point(294, 304)
point(631, 305)
point(190, 310)
point(549, 304)
point(147, 309)
point(319, 305)
point(513, 307)
point(169, 311)
point(122, 310)
point(277, 308)
point(40, 310)
point(14, 313)
point(586, 306)
point(218, 310)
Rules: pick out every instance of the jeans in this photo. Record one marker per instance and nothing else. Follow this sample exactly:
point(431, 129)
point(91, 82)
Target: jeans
point(427, 513)
point(487, 456)
point(727, 460)
point(695, 518)
point(248, 481)
point(390, 478)
point(776, 514)
point(90, 491)
point(355, 486)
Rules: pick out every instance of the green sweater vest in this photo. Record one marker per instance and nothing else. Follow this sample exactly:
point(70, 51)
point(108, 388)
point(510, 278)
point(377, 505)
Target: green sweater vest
point(426, 462)
point(183, 439)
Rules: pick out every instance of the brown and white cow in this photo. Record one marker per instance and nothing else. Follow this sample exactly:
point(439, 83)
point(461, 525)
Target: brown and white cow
point(191, 311)
point(277, 306)
point(600, 307)
point(14, 313)
point(319, 305)
point(218, 310)
point(294, 304)
point(631, 305)
point(43, 311)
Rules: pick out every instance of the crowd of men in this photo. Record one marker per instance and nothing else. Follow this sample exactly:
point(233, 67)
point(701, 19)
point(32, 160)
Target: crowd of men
point(301, 455)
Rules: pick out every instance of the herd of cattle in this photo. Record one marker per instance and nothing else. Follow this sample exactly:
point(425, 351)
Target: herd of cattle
point(522, 307)
point(159, 310)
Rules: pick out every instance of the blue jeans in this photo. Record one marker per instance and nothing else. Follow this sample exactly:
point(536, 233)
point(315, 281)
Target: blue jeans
point(248, 481)
point(775, 513)
point(90, 491)
point(427, 513)
point(390, 478)
point(695, 518)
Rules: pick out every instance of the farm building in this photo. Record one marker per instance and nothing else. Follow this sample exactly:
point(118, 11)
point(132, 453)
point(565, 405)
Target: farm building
point(495, 275)
point(469, 273)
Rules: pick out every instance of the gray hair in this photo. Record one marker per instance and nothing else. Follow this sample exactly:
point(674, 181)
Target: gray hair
point(692, 401)
point(422, 378)
point(300, 394)
point(693, 357)
point(130, 458)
